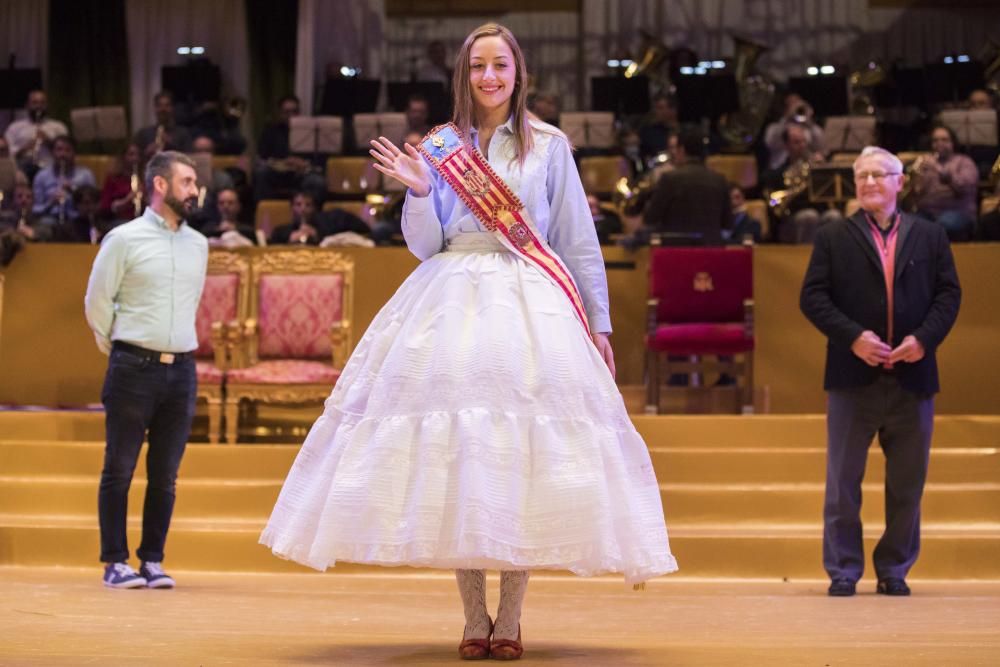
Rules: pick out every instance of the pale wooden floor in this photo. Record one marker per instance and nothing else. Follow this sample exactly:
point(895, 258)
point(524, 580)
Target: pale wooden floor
point(65, 617)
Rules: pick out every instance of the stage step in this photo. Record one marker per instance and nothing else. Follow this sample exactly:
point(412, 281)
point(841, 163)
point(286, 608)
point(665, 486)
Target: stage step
point(742, 495)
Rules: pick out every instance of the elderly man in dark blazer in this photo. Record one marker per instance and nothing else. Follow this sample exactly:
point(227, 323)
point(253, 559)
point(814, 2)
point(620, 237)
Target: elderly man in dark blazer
point(882, 287)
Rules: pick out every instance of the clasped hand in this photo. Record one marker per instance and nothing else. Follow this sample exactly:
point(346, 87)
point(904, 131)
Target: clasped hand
point(873, 351)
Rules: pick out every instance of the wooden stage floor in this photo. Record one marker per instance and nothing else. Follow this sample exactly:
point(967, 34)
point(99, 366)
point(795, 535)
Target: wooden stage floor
point(52, 616)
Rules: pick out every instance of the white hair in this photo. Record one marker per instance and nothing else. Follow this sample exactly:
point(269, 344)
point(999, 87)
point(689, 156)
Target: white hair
point(881, 153)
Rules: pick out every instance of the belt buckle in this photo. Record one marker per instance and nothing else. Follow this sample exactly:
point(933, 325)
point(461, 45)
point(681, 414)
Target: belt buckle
point(166, 358)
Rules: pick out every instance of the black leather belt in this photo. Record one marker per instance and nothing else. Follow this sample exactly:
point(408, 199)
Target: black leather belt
point(151, 355)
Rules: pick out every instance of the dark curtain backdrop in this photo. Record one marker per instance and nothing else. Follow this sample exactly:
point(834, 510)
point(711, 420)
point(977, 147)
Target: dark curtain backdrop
point(271, 35)
point(88, 57)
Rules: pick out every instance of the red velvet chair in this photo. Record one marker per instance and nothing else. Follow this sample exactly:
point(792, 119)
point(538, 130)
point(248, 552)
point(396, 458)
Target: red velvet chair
point(223, 305)
point(701, 303)
point(298, 336)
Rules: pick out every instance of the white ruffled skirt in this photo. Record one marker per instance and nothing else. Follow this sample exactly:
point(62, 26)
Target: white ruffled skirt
point(475, 426)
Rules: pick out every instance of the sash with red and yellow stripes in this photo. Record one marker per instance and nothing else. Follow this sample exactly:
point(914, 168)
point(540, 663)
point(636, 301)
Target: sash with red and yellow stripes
point(496, 206)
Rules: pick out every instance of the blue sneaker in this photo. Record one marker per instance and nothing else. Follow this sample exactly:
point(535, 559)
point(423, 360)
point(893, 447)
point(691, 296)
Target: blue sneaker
point(154, 575)
point(121, 575)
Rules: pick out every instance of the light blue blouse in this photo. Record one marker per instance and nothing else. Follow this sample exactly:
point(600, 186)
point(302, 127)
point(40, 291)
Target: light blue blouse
point(550, 188)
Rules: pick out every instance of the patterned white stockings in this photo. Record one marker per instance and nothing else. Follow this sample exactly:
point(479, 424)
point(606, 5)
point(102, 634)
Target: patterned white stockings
point(472, 587)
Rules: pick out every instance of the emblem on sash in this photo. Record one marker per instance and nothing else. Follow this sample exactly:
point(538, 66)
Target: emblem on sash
point(438, 142)
point(519, 233)
point(476, 182)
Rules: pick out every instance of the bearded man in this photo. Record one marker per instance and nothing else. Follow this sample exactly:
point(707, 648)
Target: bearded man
point(141, 302)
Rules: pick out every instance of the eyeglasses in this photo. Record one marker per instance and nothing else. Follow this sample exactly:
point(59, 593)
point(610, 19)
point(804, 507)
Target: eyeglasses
point(862, 176)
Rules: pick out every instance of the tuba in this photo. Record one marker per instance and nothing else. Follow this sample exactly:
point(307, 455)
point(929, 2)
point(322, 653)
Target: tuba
point(862, 85)
point(652, 63)
point(740, 128)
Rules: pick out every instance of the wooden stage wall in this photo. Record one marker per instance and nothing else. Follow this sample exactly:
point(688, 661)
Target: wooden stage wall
point(48, 356)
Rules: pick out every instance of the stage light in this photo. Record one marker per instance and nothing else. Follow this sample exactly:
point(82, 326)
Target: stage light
point(963, 59)
point(948, 60)
point(827, 69)
point(349, 72)
point(183, 50)
point(812, 70)
point(687, 70)
point(614, 63)
point(197, 50)
point(705, 64)
point(700, 70)
point(718, 64)
point(627, 63)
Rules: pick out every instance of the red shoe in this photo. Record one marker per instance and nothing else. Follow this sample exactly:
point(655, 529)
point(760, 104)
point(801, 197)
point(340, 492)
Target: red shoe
point(477, 648)
point(507, 649)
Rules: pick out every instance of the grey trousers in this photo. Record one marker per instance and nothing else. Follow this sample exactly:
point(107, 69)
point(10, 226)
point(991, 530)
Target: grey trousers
point(903, 422)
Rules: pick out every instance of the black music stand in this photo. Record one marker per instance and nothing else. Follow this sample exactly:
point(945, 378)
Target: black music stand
point(346, 97)
point(619, 95)
point(831, 184)
point(706, 96)
point(826, 94)
point(15, 84)
point(198, 81)
point(438, 100)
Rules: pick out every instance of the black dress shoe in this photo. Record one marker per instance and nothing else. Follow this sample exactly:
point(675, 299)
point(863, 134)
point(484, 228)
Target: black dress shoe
point(892, 586)
point(841, 588)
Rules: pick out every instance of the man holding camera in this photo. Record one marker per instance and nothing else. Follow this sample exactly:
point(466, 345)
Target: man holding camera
point(798, 112)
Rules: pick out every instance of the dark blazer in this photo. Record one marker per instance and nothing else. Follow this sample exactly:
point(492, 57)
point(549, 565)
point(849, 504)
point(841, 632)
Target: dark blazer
point(690, 198)
point(843, 294)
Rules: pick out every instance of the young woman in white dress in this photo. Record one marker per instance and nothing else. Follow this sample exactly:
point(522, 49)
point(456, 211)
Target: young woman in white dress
point(477, 424)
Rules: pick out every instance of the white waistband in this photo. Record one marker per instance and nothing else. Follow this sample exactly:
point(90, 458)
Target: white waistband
point(475, 242)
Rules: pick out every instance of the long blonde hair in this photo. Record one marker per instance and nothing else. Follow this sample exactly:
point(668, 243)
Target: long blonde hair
point(461, 86)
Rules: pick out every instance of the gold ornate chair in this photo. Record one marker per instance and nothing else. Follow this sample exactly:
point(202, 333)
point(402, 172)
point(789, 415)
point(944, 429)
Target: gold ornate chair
point(224, 303)
point(298, 336)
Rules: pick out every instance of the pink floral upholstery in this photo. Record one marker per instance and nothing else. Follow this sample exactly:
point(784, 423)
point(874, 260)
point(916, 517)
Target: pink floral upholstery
point(285, 371)
point(295, 315)
point(208, 373)
point(218, 304)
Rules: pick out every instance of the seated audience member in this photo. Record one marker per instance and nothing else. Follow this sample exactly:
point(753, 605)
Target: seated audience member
point(630, 147)
point(117, 197)
point(742, 224)
point(20, 218)
point(277, 171)
point(165, 134)
point(55, 184)
point(221, 122)
point(797, 219)
point(984, 155)
point(980, 100)
point(797, 112)
point(437, 68)
point(30, 139)
point(417, 115)
point(87, 226)
point(945, 186)
point(546, 107)
point(229, 220)
point(662, 122)
point(306, 227)
point(606, 222)
point(690, 200)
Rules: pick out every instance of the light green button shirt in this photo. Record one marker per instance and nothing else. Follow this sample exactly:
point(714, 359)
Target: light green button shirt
point(145, 285)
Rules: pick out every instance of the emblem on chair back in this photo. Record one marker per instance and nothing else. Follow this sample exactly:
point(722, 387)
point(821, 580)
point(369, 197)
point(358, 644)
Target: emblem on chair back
point(701, 284)
point(298, 296)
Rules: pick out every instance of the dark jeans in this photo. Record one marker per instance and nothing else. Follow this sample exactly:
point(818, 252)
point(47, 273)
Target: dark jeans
point(141, 394)
point(904, 422)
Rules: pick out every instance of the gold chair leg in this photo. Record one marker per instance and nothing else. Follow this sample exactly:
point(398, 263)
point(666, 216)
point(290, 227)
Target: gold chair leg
point(232, 418)
point(214, 419)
